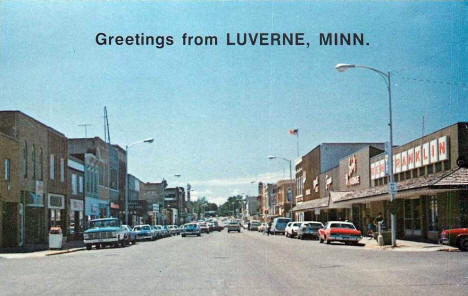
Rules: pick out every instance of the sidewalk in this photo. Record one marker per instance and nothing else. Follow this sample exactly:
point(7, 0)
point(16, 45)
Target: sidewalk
point(407, 246)
point(41, 251)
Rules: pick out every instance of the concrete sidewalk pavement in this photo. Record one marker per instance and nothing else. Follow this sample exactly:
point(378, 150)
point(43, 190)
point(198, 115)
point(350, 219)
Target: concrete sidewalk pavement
point(404, 245)
point(68, 247)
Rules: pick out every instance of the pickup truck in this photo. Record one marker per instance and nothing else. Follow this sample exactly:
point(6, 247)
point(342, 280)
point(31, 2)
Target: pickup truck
point(340, 231)
point(104, 232)
point(456, 237)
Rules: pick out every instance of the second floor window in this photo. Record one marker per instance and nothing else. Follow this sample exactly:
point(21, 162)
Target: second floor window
point(74, 184)
point(33, 161)
point(62, 170)
point(52, 167)
point(41, 159)
point(25, 160)
point(7, 169)
point(80, 184)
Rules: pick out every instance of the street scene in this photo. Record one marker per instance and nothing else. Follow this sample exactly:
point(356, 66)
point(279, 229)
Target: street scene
point(233, 148)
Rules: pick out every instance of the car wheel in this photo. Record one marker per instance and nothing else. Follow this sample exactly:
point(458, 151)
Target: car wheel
point(463, 243)
point(89, 247)
point(183, 235)
point(133, 241)
point(301, 238)
point(199, 234)
point(327, 240)
point(98, 246)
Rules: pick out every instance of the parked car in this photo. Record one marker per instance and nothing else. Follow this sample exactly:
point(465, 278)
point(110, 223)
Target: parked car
point(254, 225)
point(456, 237)
point(172, 230)
point(203, 227)
point(291, 229)
point(164, 230)
point(161, 230)
point(177, 229)
point(104, 232)
point(279, 225)
point(190, 229)
point(130, 235)
point(340, 231)
point(309, 229)
point(233, 226)
point(144, 232)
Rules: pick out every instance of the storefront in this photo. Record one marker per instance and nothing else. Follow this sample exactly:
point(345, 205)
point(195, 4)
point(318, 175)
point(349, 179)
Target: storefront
point(34, 218)
point(91, 208)
point(57, 213)
point(76, 218)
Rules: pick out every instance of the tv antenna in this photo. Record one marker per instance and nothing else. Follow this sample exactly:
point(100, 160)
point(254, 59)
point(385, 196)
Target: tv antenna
point(85, 125)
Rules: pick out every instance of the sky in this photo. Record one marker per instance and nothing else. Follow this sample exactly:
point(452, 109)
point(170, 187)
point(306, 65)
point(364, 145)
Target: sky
point(217, 112)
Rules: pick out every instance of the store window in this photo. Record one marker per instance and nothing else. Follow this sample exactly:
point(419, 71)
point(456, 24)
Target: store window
point(6, 164)
point(432, 214)
point(52, 167)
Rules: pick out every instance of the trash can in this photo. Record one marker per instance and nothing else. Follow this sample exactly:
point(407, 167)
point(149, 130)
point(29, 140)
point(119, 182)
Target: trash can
point(55, 238)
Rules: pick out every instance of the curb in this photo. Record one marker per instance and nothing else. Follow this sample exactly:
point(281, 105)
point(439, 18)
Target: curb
point(66, 251)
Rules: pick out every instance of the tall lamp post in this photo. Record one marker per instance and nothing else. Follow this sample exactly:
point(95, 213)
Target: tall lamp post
point(392, 186)
point(290, 173)
point(149, 140)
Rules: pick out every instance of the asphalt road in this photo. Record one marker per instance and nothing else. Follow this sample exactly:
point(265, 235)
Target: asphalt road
point(248, 263)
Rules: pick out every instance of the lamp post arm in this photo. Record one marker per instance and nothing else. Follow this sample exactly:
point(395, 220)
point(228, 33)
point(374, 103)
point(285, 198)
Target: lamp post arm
point(385, 76)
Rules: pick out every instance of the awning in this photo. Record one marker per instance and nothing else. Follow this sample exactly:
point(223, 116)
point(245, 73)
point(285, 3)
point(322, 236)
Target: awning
point(454, 179)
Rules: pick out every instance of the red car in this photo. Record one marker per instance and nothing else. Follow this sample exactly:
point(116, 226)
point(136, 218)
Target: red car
point(457, 237)
point(340, 231)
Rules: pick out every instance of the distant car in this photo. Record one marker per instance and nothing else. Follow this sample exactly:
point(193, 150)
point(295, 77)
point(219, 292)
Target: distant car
point(167, 230)
point(130, 235)
point(291, 229)
point(162, 231)
point(203, 227)
point(144, 232)
point(190, 229)
point(456, 237)
point(104, 232)
point(233, 226)
point(254, 225)
point(309, 229)
point(279, 225)
point(340, 231)
point(172, 229)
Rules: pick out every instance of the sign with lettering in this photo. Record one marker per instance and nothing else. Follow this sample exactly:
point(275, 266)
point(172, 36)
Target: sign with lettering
point(76, 205)
point(434, 151)
point(56, 201)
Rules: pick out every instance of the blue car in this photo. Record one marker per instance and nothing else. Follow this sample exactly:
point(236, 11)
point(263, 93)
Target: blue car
point(144, 232)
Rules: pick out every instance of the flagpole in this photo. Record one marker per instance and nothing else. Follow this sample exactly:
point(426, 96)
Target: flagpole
point(297, 142)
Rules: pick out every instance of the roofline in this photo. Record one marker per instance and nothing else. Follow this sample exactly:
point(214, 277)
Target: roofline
point(32, 118)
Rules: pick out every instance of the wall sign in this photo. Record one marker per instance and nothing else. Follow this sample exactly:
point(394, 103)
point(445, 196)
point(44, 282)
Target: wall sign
point(56, 201)
point(430, 152)
point(352, 169)
point(316, 184)
point(76, 205)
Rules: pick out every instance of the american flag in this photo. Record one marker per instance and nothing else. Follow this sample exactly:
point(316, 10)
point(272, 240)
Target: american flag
point(293, 131)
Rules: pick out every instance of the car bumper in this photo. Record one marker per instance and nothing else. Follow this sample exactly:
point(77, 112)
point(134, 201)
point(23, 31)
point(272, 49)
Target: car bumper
point(190, 233)
point(100, 241)
point(345, 238)
point(144, 237)
point(445, 241)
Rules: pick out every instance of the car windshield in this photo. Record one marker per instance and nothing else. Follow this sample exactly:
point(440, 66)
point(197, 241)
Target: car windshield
point(313, 226)
point(342, 225)
point(142, 228)
point(190, 226)
point(104, 223)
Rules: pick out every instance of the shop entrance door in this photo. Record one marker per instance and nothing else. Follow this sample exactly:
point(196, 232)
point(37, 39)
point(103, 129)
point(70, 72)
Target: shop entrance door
point(412, 214)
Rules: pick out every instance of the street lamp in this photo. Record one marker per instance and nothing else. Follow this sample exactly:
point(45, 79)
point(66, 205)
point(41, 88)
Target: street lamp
point(149, 141)
point(290, 172)
point(386, 78)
